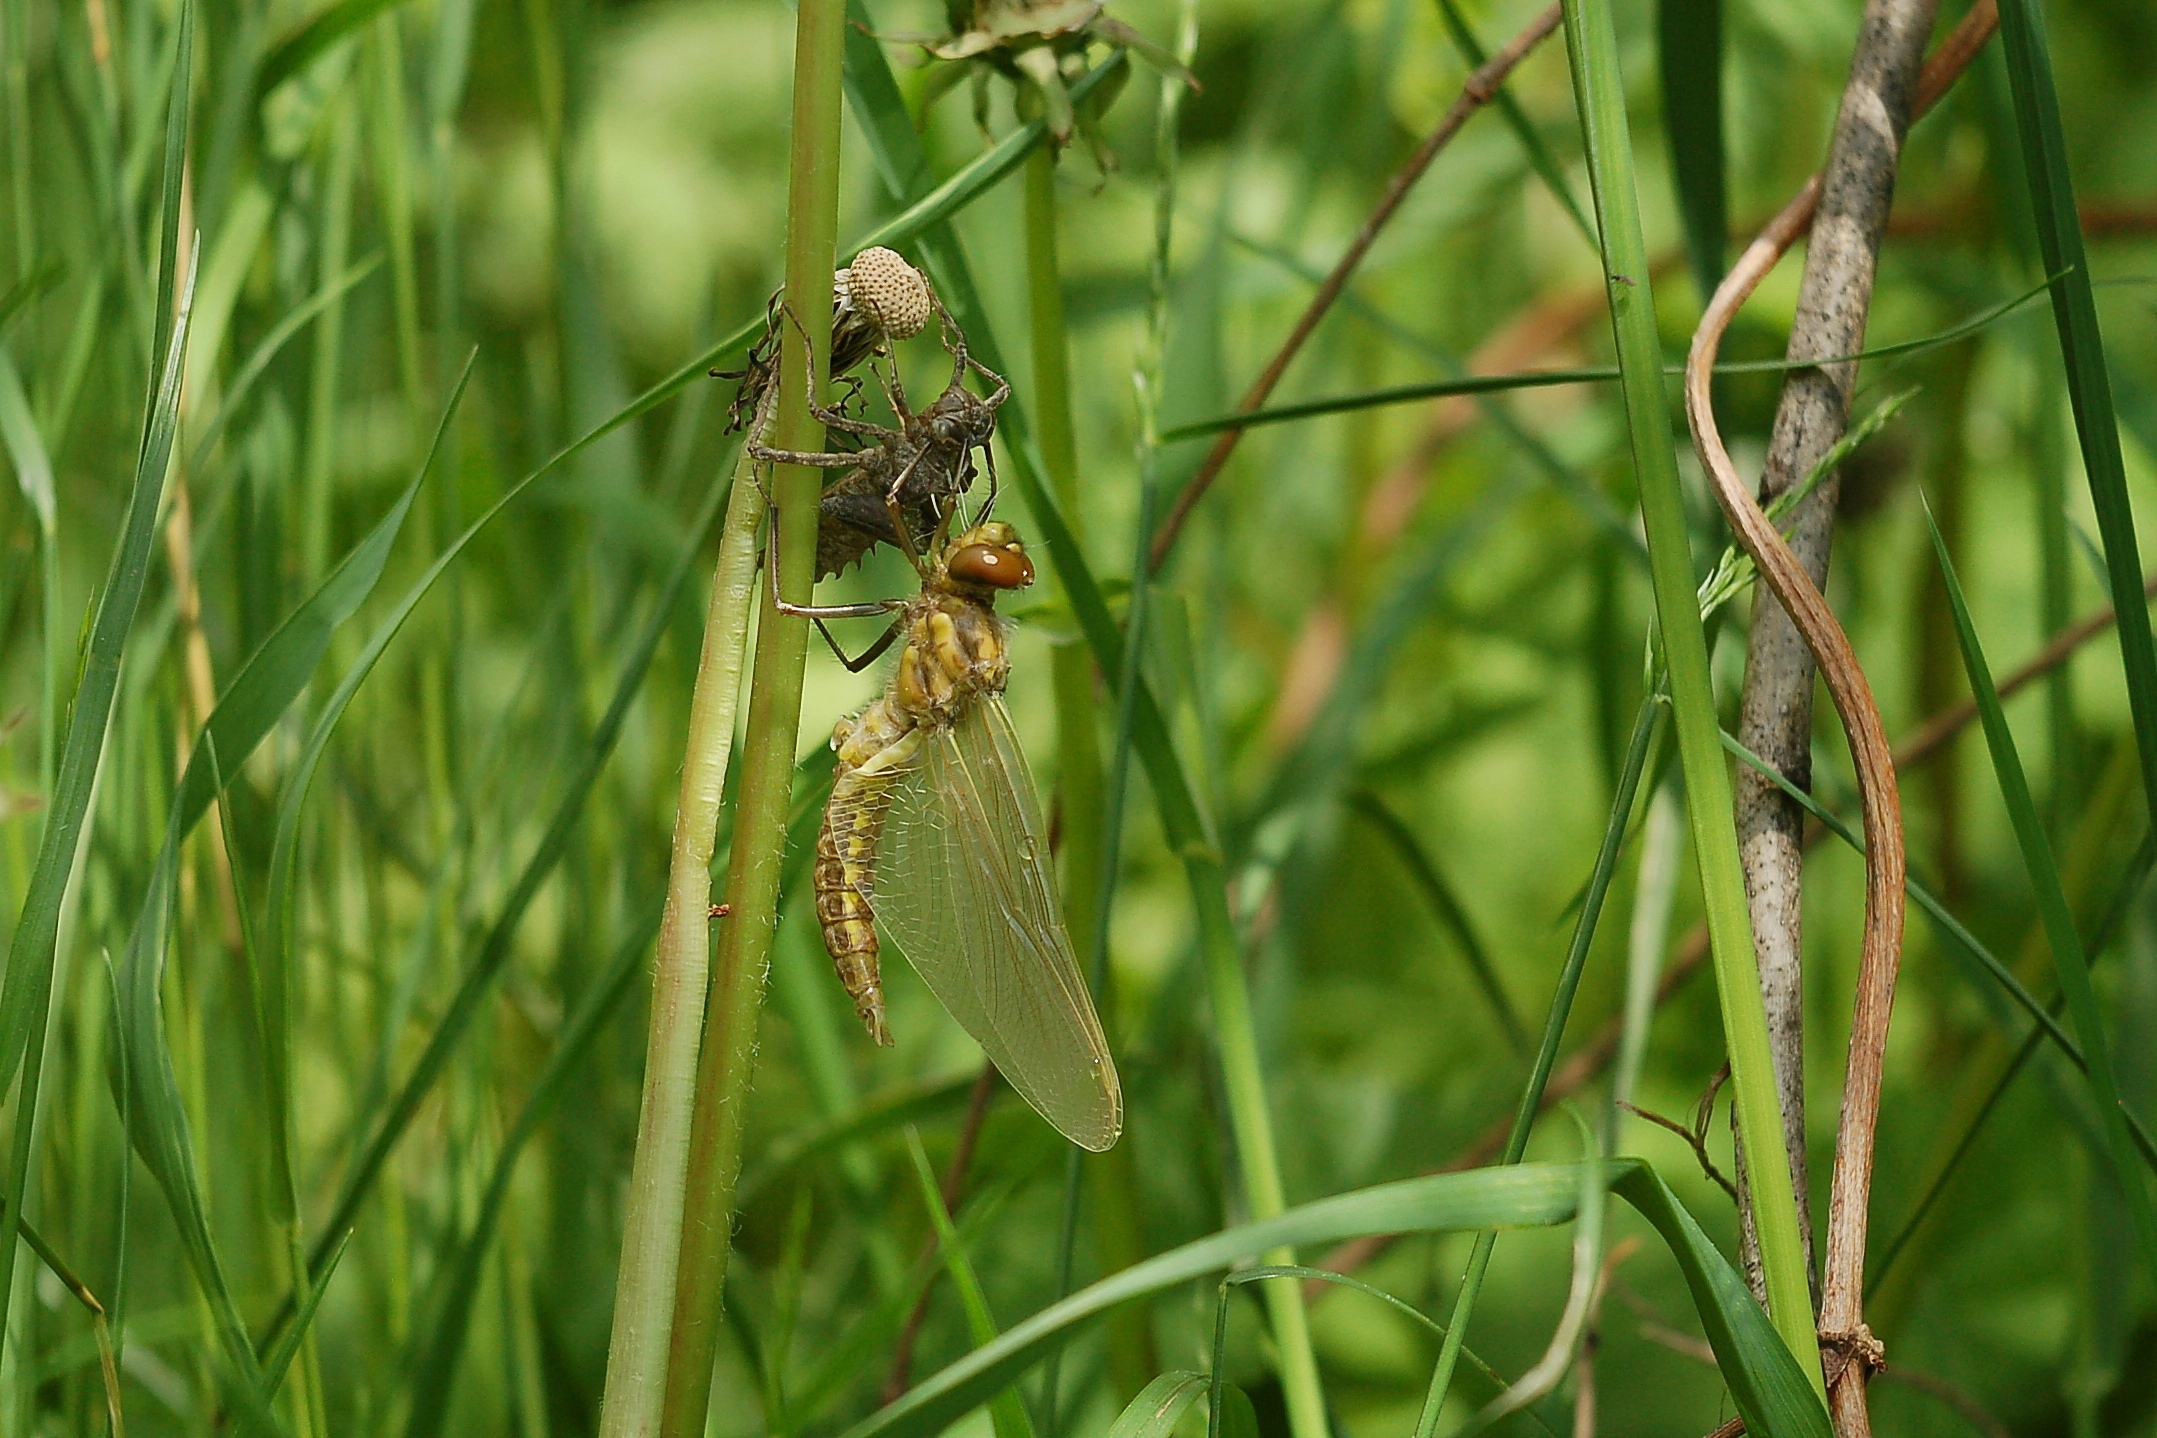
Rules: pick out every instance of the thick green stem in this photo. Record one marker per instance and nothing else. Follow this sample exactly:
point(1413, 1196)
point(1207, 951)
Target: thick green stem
point(1592, 46)
point(1242, 1074)
point(1078, 746)
point(759, 847)
point(651, 1229)
point(1081, 802)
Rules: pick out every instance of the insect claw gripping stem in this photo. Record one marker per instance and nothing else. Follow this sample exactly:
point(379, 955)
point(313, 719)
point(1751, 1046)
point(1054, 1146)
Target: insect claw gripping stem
point(818, 611)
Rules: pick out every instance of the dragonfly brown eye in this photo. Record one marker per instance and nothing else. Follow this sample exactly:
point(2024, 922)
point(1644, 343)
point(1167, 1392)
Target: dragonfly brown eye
point(999, 568)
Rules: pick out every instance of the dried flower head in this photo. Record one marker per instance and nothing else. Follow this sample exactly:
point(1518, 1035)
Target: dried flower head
point(886, 291)
point(878, 298)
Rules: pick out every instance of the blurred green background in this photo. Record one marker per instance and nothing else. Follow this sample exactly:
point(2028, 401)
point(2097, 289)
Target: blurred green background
point(1419, 603)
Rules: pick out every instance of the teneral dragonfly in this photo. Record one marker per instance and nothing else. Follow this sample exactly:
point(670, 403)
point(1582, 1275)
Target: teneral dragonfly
point(932, 832)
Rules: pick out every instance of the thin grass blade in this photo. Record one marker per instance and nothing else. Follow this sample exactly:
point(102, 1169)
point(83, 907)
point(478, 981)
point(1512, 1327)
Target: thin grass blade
point(2059, 924)
point(1689, 49)
point(2089, 386)
point(1591, 44)
point(26, 993)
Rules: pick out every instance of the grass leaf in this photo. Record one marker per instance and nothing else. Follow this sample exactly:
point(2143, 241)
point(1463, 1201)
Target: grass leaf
point(1771, 1390)
point(26, 993)
point(1689, 49)
point(2067, 953)
point(2082, 350)
point(1591, 43)
point(1160, 1405)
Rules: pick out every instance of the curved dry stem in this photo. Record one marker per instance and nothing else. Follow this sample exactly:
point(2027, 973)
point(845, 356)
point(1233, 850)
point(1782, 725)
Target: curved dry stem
point(1851, 1350)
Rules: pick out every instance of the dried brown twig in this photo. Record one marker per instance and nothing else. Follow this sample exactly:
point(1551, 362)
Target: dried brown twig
point(1851, 1351)
point(1695, 1137)
point(1477, 91)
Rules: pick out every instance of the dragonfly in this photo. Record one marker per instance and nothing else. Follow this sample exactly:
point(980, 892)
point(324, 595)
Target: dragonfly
point(932, 832)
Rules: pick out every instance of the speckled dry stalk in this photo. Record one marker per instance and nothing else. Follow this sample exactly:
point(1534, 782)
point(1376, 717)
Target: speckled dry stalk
point(1775, 718)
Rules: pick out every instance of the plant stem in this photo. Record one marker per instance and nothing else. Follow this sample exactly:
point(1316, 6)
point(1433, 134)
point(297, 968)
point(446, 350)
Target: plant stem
point(1646, 725)
point(759, 846)
point(1478, 90)
point(1591, 45)
point(1775, 712)
point(1081, 802)
point(1078, 748)
point(651, 1229)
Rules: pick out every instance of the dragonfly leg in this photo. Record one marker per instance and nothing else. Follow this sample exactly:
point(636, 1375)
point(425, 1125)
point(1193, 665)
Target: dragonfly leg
point(988, 453)
point(821, 459)
point(817, 612)
point(894, 389)
point(899, 525)
point(867, 656)
point(828, 417)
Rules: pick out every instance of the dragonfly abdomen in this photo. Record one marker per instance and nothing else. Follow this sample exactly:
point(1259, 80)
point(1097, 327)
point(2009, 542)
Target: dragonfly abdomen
point(874, 750)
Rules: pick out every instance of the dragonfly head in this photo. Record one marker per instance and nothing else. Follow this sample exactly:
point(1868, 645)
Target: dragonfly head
point(988, 556)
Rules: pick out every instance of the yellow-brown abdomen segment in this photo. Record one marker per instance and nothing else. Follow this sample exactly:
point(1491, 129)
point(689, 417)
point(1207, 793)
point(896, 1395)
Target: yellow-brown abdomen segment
point(874, 749)
point(845, 881)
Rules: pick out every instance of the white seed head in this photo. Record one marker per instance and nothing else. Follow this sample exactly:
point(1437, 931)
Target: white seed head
point(887, 291)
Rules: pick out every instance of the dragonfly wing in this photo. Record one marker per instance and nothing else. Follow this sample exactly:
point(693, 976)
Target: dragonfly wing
point(964, 887)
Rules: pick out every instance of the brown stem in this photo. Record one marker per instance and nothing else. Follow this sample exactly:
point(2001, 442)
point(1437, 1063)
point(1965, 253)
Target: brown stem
point(1843, 1332)
point(1477, 91)
point(1855, 193)
point(954, 1184)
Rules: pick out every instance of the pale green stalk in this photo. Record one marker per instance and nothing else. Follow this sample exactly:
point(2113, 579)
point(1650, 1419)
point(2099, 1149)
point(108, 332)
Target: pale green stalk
point(651, 1227)
point(1078, 749)
point(1235, 1033)
point(1081, 801)
point(760, 816)
point(1592, 46)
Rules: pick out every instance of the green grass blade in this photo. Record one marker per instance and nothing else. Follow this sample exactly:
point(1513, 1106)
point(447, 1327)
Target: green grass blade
point(1408, 1310)
point(1689, 51)
point(875, 1118)
point(1593, 374)
point(1423, 870)
point(495, 948)
point(26, 993)
point(288, 1347)
point(158, 1124)
point(1773, 1392)
point(158, 1121)
point(313, 38)
point(2089, 387)
point(976, 178)
point(1592, 45)
point(2059, 924)
point(434, 1374)
point(277, 672)
point(1768, 1385)
point(25, 446)
point(244, 379)
point(1646, 723)
point(1160, 1405)
point(1007, 1410)
point(1516, 119)
point(1577, 488)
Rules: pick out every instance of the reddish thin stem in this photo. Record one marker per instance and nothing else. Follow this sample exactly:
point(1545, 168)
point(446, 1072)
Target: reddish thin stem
point(1477, 91)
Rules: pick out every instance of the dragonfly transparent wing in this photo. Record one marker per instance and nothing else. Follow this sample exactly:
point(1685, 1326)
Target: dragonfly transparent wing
point(964, 888)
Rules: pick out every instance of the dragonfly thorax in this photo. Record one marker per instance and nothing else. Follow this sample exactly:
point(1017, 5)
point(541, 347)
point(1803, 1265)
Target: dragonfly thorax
point(954, 655)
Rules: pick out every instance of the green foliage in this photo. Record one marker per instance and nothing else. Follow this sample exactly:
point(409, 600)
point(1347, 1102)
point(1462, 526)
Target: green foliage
point(349, 613)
